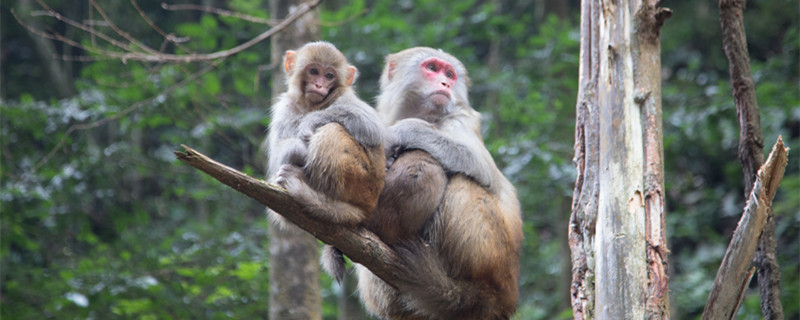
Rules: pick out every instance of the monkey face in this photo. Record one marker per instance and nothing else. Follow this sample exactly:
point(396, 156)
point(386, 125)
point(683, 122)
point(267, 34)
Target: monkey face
point(319, 82)
point(439, 77)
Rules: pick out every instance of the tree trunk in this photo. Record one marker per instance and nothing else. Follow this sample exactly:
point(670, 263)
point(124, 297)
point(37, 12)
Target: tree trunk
point(616, 228)
point(294, 254)
point(751, 145)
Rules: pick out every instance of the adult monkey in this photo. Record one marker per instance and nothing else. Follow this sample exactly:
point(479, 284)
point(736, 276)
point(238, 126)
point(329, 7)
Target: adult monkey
point(325, 144)
point(463, 250)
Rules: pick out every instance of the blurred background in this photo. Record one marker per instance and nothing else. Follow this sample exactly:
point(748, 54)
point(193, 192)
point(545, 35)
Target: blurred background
point(100, 221)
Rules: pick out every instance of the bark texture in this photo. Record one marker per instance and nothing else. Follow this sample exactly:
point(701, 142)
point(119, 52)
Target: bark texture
point(616, 230)
point(735, 271)
point(751, 144)
point(294, 254)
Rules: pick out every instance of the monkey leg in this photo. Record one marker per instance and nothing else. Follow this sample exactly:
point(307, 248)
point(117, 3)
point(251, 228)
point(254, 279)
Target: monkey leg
point(414, 187)
point(481, 245)
point(341, 168)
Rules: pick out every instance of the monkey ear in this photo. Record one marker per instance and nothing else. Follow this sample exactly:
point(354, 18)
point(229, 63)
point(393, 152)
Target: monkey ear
point(390, 69)
point(289, 60)
point(352, 74)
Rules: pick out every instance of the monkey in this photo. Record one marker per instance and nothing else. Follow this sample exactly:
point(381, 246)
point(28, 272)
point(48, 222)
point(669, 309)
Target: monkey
point(325, 144)
point(463, 234)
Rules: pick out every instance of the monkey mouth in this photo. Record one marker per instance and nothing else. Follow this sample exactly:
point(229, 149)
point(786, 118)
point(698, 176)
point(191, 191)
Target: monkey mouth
point(315, 96)
point(440, 98)
point(441, 92)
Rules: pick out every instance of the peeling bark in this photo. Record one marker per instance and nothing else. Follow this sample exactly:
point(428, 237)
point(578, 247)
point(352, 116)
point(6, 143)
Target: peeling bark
point(616, 231)
point(584, 200)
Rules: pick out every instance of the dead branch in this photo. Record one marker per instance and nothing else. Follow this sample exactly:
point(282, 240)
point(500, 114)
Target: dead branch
point(751, 144)
point(361, 245)
point(134, 50)
point(736, 268)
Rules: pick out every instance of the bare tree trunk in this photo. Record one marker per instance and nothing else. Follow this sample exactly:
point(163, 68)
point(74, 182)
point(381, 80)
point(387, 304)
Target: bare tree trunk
point(616, 229)
point(294, 254)
point(751, 145)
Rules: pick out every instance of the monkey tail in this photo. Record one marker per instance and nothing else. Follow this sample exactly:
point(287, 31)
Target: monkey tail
point(332, 261)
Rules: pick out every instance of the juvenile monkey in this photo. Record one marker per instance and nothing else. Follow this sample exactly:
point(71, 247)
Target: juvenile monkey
point(325, 144)
point(462, 235)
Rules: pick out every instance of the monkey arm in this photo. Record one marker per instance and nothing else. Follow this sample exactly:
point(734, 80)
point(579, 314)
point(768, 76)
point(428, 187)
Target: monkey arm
point(455, 156)
point(288, 151)
point(359, 119)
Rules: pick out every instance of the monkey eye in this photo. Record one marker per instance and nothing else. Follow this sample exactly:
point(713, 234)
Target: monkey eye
point(313, 71)
point(432, 67)
point(330, 76)
point(450, 74)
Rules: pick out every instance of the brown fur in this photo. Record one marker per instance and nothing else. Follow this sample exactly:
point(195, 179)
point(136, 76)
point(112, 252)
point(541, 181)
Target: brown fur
point(326, 144)
point(417, 185)
point(328, 154)
point(344, 169)
point(465, 256)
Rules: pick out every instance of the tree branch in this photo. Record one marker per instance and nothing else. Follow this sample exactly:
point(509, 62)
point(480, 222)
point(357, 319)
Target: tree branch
point(751, 144)
point(144, 53)
point(359, 244)
point(736, 267)
point(218, 11)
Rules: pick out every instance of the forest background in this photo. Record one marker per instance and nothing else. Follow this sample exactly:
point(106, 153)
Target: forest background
point(99, 220)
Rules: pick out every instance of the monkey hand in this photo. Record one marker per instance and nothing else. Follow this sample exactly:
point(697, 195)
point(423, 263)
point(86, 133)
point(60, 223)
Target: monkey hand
point(305, 133)
point(391, 155)
point(404, 133)
point(310, 124)
point(292, 178)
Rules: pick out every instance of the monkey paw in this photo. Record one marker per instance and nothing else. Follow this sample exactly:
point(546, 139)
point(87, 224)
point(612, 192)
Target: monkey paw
point(391, 155)
point(291, 178)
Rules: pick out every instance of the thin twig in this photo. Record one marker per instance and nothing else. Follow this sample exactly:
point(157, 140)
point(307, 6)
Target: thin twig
point(81, 26)
point(121, 32)
point(218, 11)
point(59, 37)
point(163, 57)
point(171, 38)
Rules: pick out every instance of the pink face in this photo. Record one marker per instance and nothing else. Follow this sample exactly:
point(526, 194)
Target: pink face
point(441, 77)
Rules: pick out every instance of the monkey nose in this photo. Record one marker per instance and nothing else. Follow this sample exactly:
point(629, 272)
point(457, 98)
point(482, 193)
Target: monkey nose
point(445, 84)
